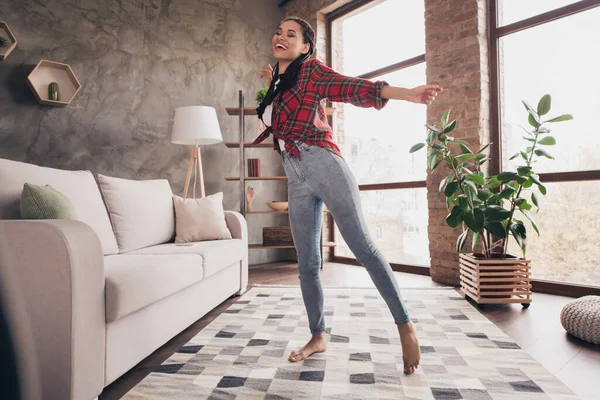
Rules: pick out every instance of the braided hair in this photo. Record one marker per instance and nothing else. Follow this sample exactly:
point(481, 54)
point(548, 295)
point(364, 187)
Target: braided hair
point(288, 79)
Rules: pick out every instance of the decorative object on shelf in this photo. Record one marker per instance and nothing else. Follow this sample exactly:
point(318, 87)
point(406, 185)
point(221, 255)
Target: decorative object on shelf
point(260, 95)
point(8, 41)
point(470, 200)
point(249, 198)
point(53, 91)
point(278, 205)
point(253, 167)
point(277, 236)
point(196, 126)
point(47, 72)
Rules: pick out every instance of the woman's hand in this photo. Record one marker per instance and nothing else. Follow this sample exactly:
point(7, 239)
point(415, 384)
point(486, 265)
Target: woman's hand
point(424, 94)
point(266, 72)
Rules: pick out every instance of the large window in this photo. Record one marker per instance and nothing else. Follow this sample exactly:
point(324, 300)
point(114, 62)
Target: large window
point(551, 46)
point(385, 40)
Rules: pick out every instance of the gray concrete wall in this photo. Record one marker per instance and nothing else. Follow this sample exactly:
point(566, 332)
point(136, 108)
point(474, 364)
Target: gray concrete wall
point(138, 60)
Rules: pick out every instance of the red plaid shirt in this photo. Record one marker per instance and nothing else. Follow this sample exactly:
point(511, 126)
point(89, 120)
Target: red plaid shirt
point(299, 113)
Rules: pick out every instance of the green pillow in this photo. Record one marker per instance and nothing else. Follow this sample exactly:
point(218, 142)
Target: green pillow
point(45, 202)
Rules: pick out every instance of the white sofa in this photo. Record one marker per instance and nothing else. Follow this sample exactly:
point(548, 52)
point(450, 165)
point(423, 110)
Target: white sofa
point(96, 311)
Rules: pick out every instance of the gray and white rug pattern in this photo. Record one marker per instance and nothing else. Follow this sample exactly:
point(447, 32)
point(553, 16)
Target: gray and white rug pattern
point(243, 353)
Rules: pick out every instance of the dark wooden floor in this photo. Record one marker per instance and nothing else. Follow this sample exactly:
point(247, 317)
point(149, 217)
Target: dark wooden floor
point(537, 330)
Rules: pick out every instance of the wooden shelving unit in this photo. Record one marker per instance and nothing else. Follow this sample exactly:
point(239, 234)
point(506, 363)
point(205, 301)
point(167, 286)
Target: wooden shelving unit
point(7, 34)
point(241, 112)
point(46, 72)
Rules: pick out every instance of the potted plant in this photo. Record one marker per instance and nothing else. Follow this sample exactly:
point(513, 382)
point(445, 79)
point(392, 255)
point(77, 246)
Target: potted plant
point(492, 208)
point(260, 95)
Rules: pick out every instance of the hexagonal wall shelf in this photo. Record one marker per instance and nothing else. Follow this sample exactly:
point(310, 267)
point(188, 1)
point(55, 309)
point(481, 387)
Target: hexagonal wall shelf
point(7, 34)
point(47, 72)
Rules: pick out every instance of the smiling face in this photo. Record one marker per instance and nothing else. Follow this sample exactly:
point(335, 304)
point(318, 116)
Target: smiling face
point(288, 42)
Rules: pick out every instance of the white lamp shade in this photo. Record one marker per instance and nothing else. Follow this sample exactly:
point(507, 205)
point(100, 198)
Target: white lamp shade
point(196, 125)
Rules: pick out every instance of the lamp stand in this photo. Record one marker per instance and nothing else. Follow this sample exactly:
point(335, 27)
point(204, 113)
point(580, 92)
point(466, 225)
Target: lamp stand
point(195, 162)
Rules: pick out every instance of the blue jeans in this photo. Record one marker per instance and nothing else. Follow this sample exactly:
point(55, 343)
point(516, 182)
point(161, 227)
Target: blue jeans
point(320, 176)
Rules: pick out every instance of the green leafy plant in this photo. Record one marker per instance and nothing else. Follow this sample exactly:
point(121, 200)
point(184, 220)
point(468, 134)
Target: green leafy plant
point(487, 206)
point(260, 95)
point(3, 41)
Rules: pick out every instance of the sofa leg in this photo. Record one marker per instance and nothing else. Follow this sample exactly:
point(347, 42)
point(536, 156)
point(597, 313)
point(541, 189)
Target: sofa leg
point(239, 292)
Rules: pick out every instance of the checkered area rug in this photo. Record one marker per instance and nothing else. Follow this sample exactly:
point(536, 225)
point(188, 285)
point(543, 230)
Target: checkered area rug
point(243, 353)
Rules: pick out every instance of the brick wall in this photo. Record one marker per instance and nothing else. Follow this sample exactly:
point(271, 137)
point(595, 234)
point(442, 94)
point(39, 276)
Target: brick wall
point(456, 54)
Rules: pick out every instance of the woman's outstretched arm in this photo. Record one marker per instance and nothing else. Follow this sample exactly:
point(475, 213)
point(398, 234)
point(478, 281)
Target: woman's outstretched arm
point(363, 92)
point(421, 94)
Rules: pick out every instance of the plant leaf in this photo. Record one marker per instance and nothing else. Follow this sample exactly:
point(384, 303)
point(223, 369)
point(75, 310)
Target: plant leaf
point(483, 194)
point(534, 199)
point(527, 106)
point(465, 157)
point(450, 127)
point(544, 153)
point(496, 214)
point(455, 217)
point(520, 234)
point(524, 170)
point(460, 242)
point(524, 155)
point(530, 218)
point(566, 117)
point(515, 156)
point(544, 105)
point(506, 193)
point(476, 178)
point(495, 228)
point(458, 141)
point(432, 128)
point(535, 178)
point(476, 237)
point(442, 184)
point(445, 119)
point(506, 176)
point(521, 180)
point(432, 161)
point(450, 189)
point(533, 122)
point(474, 219)
point(465, 149)
point(437, 146)
point(542, 189)
point(430, 136)
point(547, 141)
point(484, 147)
point(417, 147)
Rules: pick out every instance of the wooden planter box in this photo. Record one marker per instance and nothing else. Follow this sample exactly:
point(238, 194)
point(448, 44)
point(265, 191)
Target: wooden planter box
point(278, 236)
point(496, 280)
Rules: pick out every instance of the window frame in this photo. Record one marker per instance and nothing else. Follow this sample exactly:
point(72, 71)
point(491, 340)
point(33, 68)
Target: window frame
point(330, 18)
point(495, 33)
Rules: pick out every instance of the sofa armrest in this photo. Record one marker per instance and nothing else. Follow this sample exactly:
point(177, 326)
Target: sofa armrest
point(239, 230)
point(59, 268)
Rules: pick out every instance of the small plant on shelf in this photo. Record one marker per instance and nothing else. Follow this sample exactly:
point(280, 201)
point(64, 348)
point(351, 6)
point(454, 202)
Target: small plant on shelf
point(260, 95)
point(487, 206)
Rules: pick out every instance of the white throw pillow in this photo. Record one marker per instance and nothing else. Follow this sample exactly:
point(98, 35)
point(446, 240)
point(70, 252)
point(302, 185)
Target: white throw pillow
point(141, 211)
point(79, 186)
point(200, 219)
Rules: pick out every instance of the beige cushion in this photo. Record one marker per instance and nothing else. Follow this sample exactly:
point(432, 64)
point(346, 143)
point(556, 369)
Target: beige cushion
point(216, 254)
point(200, 219)
point(136, 281)
point(141, 211)
point(79, 186)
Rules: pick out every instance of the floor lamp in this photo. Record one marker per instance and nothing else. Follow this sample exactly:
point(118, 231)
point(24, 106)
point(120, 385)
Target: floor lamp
point(196, 126)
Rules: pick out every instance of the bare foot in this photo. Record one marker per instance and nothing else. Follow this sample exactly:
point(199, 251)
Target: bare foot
point(411, 352)
point(317, 344)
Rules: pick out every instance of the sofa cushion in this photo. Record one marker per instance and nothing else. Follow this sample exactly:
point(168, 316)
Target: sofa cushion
point(216, 254)
point(200, 219)
point(136, 281)
point(79, 186)
point(45, 202)
point(141, 211)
